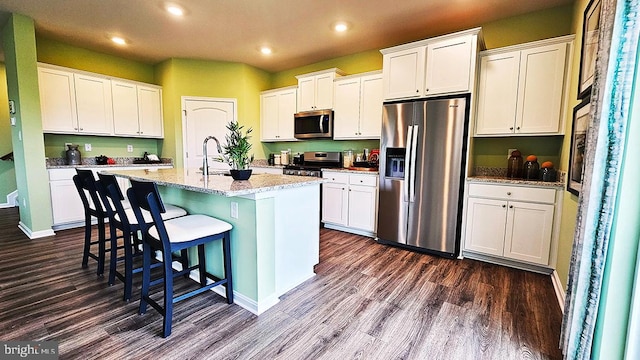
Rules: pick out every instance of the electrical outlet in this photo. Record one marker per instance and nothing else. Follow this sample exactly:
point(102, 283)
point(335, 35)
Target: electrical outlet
point(234, 210)
point(509, 153)
point(129, 148)
point(87, 147)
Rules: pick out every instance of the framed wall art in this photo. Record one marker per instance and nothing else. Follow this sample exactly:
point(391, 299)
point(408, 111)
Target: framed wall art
point(581, 121)
point(590, 30)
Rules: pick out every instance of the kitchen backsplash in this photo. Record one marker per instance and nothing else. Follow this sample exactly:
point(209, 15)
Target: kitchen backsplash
point(91, 160)
point(502, 172)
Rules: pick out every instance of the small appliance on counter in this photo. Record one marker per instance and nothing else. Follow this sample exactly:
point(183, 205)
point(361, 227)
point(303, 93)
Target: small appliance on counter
point(73, 155)
point(147, 159)
point(102, 160)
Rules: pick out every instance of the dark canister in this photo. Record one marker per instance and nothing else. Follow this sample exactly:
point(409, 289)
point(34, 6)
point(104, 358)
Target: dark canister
point(514, 168)
point(548, 173)
point(272, 159)
point(73, 155)
point(531, 168)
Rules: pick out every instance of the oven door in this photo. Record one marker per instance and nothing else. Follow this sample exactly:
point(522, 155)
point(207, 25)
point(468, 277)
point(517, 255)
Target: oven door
point(313, 125)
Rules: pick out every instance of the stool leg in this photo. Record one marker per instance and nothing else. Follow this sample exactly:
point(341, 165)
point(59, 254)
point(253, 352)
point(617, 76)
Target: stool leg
point(101, 247)
point(87, 241)
point(202, 265)
point(184, 260)
point(146, 277)
point(128, 264)
point(168, 292)
point(114, 254)
point(226, 250)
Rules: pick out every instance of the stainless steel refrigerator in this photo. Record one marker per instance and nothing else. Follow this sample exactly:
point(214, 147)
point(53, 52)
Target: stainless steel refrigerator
point(422, 160)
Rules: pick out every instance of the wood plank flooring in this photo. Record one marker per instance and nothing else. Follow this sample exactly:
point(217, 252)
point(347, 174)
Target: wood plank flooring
point(368, 301)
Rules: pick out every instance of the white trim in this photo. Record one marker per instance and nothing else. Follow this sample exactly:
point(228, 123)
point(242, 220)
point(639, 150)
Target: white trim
point(12, 200)
point(559, 290)
point(350, 230)
point(34, 234)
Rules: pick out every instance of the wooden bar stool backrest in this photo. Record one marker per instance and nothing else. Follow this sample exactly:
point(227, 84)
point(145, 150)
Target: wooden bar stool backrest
point(86, 184)
point(145, 195)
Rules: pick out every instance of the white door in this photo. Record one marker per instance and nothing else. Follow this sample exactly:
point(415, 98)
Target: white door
point(334, 203)
point(346, 111)
point(205, 117)
point(371, 107)
point(529, 231)
point(362, 207)
point(448, 66)
point(486, 226)
point(403, 73)
point(93, 100)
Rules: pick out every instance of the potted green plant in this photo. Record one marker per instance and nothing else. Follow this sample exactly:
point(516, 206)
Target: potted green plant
point(236, 151)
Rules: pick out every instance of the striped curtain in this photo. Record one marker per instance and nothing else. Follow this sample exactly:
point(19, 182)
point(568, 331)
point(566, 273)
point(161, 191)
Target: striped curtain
point(610, 103)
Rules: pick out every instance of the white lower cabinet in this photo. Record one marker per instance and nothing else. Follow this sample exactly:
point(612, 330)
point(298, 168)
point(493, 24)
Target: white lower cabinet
point(349, 202)
point(515, 223)
point(66, 206)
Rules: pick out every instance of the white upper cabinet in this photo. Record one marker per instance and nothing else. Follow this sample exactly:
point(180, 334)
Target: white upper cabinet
point(76, 102)
point(315, 90)
point(358, 107)
point(449, 65)
point(437, 66)
point(57, 100)
point(150, 111)
point(277, 108)
point(522, 89)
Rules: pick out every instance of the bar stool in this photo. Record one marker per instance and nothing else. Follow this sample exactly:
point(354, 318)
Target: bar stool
point(175, 235)
point(122, 218)
point(86, 185)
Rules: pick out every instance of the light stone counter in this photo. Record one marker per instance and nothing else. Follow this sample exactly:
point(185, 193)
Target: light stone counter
point(502, 180)
point(224, 185)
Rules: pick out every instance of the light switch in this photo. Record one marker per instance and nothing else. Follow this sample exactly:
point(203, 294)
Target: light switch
point(234, 210)
point(13, 121)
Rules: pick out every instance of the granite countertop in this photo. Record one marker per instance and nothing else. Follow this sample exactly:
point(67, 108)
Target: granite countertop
point(353, 170)
point(60, 163)
point(503, 180)
point(191, 179)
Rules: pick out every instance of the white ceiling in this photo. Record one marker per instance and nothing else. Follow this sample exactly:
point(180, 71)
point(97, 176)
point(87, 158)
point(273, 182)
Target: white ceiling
point(232, 30)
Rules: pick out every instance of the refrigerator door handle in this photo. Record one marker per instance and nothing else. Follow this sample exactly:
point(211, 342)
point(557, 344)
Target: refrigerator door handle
point(407, 157)
point(412, 165)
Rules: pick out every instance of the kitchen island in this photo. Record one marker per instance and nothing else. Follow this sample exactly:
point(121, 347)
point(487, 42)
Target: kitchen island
point(276, 221)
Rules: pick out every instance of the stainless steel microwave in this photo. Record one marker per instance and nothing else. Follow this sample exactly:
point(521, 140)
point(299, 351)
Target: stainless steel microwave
point(316, 124)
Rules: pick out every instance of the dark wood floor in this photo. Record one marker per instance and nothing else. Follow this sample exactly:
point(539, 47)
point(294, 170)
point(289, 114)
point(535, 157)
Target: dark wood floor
point(367, 301)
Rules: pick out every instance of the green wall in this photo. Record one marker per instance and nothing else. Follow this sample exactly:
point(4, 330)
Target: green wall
point(492, 152)
point(7, 169)
point(19, 45)
point(100, 145)
point(217, 79)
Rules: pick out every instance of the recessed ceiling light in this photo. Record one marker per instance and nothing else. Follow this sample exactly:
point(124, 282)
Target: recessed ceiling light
point(340, 26)
point(175, 10)
point(118, 40)
point(266, 50)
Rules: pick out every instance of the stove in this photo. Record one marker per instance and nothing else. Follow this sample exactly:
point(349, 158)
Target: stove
point(314, 162)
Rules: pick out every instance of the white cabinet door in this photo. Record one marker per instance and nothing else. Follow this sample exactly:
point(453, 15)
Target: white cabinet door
point(150, 112)
point(528, 235)
point(449, 65)
point(346, 112)
point(65, 202)
point(276, 115)
point(486, 225)
point(286, 110)
point(403, 73)
point(497, 88)
point(335, 203)
point(57, 100)
point(362, 207)
point(540, 89)
point(324, 91)
point(371, 107)
point(306, 94)
point(125, 108)
point(94, 105)
point(269, 117)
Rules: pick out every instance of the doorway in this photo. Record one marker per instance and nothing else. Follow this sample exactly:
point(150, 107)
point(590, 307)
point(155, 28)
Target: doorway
point(202, 117)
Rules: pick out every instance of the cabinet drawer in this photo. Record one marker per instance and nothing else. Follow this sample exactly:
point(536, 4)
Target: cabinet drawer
point(520, 193)
point(366, 180)
point(61, 174)
point(335, 177)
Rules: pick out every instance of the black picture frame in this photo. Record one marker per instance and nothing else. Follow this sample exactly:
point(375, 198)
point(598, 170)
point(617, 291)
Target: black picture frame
point(589, 50)
point(579, 131)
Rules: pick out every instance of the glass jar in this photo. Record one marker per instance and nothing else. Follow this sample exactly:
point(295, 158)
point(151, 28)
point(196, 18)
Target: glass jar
point(549, 174)
point(347, 158)
point(531, 168)
point(514, 168)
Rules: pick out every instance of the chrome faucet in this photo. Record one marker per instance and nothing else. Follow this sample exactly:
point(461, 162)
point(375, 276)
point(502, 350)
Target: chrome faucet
point(205, 154)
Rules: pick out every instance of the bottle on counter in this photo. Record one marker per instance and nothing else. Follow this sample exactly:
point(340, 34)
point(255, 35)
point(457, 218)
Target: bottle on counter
point(514, 168)
point(531, 168)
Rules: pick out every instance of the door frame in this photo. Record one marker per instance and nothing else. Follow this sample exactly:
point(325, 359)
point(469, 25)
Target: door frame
point(183, 111)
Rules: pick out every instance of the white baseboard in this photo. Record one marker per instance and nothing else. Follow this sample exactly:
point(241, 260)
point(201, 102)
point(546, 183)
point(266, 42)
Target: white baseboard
point(35, 234)
point(557, 287)
point(12, 200)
